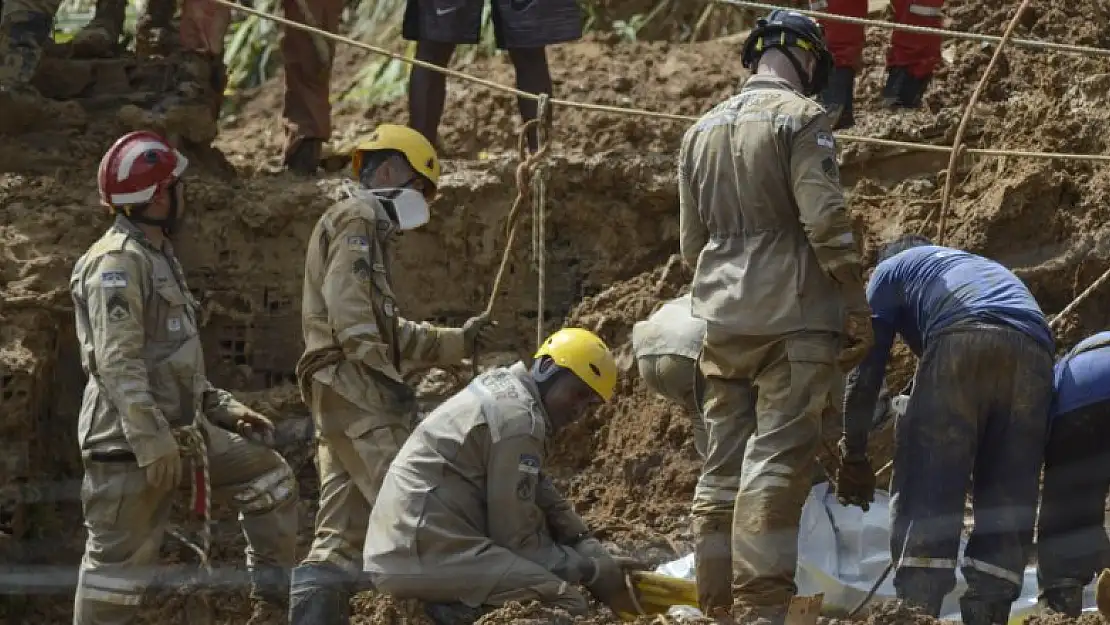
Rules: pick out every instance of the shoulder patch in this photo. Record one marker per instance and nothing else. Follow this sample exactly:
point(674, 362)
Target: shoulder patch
point(529, 463)
point(830, 169)
point(117, 308)
point(825, 140)
point(361, 269)
point(113, 279)
point(358, 243)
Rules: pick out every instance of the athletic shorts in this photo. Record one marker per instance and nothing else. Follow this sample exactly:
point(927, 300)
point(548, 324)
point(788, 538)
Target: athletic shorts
point(516, 23)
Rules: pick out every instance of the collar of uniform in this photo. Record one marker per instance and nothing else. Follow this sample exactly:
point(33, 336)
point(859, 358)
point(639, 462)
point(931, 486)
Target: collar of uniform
point(764, 81)
point(129, 228)
point(520, 372)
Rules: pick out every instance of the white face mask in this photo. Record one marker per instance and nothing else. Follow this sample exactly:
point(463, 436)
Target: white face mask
point(410, 206)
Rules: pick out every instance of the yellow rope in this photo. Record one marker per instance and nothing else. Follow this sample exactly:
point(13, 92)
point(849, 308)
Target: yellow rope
point(604, 108)
point(926, 30)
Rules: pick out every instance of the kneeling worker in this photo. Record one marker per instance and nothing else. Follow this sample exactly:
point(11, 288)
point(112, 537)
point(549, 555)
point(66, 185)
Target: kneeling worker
point(466, 519)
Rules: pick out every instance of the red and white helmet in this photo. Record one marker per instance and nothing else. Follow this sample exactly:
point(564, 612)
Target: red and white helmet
point(138, 166)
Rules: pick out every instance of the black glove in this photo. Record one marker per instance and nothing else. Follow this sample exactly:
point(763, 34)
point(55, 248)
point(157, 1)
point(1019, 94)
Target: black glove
point(608, 583)
point(855, 480)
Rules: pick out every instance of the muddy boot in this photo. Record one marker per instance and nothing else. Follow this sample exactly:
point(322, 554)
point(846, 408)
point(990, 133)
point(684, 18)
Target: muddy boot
point(153, 34)
point(304, 157)
point(269, 596)
point(452, 613)
point(837, 97)
point(319, 594)
point(979, 612)
point(1067, 600)
point(713, 570)
point(902, 89)
point(22, 107)
point(100, 37)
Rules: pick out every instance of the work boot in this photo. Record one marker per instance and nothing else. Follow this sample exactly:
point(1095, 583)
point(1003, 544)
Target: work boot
point(837, 97)
point(980, 612)
point(269, 596)
point(153, 34)
point(1067, 600)
point(452, 613)
point(903, 89)
point(304, 157)
point(100, 37)
point(319, 594)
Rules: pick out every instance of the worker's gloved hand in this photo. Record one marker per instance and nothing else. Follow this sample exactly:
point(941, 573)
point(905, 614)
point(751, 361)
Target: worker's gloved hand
point(857, 340)
point(608, 583)
point(164, 474)
point(478, 333)
point(855, 480)
point(255, 426)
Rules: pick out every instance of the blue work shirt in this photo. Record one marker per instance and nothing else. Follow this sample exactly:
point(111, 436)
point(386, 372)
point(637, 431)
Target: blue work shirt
point(926, 289)
point(1082, 377)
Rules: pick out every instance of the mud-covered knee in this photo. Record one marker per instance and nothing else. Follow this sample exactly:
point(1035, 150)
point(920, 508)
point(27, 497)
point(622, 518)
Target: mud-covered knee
point(269, 491)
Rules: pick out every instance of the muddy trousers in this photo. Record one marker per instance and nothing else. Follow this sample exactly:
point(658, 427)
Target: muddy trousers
point(970, 420)
point(307, 108)
point(353, 453)
point(762, 405)
point(127, 520)
point(918, 52)
point(674, 377)
point(1071, 538)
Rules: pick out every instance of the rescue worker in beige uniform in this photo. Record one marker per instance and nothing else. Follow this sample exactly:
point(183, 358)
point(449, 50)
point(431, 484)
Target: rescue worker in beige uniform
point(777, 278)
point(666, 346)
point(138, 334)
point(356, 343)
point(467, 520)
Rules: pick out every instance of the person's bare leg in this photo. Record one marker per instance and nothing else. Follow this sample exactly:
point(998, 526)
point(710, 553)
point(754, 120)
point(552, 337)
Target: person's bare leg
point(534, 76)
point(428, 89)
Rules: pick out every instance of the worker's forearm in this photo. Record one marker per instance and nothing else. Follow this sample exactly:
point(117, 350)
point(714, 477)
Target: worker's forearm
point(860, 396)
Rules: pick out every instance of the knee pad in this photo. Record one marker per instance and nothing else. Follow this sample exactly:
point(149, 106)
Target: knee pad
point(268, 491)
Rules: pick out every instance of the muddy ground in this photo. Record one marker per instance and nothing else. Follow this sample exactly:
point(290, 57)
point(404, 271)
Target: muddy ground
point(611, 233)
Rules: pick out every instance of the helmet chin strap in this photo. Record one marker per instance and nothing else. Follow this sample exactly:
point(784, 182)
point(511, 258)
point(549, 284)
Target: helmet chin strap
point(168, 224)
point(805, 77)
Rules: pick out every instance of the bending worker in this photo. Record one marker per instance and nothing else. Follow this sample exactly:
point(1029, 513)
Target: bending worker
point(968, 420)
point(140, 346)
point(910, 62)
point(1071, 540)
point(356, 343)
point(666, 346)
point(761, 206)
point(467, 520)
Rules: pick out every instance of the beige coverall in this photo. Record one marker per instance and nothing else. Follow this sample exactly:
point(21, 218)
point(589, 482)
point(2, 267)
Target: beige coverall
point(466, 513)
point(350, 373)
point(763, 224)
point(666, 346)
point(307, 109)
point(137, 330)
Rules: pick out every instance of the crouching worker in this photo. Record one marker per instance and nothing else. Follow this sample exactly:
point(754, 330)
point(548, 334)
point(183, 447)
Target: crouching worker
point(1071, 540)
point(466, 520)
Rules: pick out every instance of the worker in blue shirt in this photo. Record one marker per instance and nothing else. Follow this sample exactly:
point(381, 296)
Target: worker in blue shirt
point(1071, 541)
point(977, 415)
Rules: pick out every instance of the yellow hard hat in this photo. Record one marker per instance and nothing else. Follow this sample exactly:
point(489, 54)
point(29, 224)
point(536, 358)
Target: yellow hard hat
point(585, 355)
point(418, 151)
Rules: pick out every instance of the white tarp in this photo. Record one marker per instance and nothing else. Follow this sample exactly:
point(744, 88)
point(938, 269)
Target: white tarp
point(843, 550)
